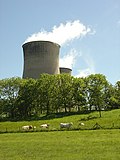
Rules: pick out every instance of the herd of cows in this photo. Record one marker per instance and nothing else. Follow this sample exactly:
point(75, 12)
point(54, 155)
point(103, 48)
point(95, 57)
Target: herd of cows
point(46, 126)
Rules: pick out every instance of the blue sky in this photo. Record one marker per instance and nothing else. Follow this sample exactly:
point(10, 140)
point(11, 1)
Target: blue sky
point(94, 49)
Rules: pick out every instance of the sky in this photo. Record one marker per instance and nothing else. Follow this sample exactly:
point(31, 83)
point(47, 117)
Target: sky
point(88, 32)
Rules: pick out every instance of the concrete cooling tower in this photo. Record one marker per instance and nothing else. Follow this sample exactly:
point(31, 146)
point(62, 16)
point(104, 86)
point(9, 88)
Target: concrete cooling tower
point(65, 70)
point(40, 57)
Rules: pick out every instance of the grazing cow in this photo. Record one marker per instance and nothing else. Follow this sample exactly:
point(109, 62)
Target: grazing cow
point(66, 125)
point(44, 125)
point(81, 124)
point(28, 127)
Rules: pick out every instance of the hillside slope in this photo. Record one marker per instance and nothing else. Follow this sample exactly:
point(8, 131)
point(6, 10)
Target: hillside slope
point(109, 120)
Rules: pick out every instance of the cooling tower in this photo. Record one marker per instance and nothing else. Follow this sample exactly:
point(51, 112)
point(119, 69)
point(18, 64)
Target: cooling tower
point(40, 57)
point(65, 70)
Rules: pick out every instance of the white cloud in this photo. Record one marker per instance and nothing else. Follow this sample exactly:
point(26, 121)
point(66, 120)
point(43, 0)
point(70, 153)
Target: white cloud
point(84, 72)
point(62, 34)
point(90, 67)
point(69, 59)
point(93, 32)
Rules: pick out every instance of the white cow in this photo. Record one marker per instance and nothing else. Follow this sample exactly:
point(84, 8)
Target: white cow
point(44, 125)
point(28, 127)
point(81, 124)
point(66, 125)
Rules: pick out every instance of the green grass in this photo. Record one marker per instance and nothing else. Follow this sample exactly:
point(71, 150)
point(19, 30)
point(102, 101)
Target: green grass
point(82, 144)
point(109, 120)
point(65, 145)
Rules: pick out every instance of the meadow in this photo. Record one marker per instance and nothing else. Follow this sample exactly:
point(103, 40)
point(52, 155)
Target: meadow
point(80, 142)
point(109, 120)
point(66, 145)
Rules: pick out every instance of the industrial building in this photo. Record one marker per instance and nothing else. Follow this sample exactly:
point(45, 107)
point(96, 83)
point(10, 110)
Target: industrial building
point(41, 57)
point(65, 70)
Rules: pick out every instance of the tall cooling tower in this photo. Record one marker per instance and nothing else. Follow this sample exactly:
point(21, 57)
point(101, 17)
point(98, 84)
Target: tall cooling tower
point(40, 57)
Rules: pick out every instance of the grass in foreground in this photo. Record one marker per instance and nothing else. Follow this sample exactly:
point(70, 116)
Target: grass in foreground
point(72, 145)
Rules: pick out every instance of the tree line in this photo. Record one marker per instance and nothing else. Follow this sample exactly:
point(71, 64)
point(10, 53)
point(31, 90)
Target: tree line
point(21, 99)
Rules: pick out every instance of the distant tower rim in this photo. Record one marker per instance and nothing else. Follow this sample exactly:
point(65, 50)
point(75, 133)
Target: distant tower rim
point(65, 68)
point(41, 41)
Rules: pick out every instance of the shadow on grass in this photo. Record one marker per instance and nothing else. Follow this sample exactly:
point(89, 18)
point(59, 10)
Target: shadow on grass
point(62, 114)
point(48, 116)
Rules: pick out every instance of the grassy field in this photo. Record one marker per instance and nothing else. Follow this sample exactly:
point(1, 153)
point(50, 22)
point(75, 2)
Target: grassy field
point(79, 143)
point(65, 145)
point(109, 120)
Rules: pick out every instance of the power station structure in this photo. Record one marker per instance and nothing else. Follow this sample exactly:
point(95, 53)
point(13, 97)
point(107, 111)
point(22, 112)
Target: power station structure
point(65, 70)
point(41, 57)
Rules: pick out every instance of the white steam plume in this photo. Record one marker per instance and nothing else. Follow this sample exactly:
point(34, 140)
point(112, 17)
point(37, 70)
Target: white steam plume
point(69, 59)
point(84, 72)
point(90, 67)
point(61, 34)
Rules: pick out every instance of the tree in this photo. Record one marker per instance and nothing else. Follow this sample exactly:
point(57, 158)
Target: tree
point(44, 92)
point(55, 86)
point(110, 99)
point(117, 94)
point(66, 92)
point(9, 93)
point(26, 98)
point(96, 89)
point(79, 93)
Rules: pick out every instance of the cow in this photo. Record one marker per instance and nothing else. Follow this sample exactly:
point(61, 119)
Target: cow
point(44, 125)
point(81, 124)
point(66, 125)
point(28, 127)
